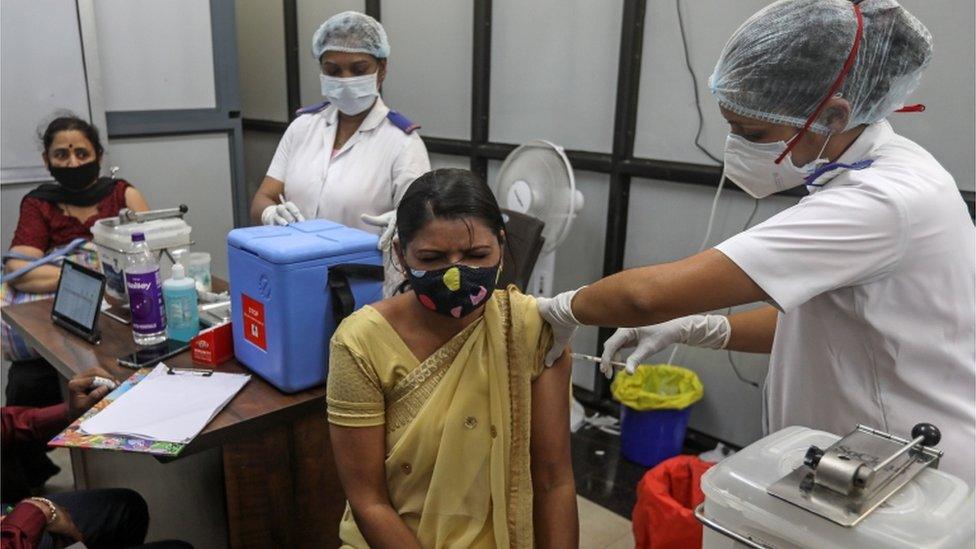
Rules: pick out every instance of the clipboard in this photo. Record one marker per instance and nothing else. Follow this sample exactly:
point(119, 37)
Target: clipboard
point(168, 404)
point(72, 437)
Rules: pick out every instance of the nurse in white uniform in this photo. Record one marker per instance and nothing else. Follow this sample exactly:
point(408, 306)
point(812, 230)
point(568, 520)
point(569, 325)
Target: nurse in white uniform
point(349, 155)
point(869, 280)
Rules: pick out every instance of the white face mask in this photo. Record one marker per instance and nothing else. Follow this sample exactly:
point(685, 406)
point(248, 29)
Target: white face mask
point(350, 95)
point(753, 167)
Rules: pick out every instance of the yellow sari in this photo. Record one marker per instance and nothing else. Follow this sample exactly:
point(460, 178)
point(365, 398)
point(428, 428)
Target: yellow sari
point(457, 424)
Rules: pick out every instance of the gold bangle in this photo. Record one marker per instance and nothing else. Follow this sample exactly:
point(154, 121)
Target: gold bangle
point(50, 505)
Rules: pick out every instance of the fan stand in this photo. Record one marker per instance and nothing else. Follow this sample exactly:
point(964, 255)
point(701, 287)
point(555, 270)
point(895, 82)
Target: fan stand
point(540, 282)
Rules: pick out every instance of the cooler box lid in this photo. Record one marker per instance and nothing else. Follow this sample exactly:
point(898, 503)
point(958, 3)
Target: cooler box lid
point(305, 241)
point(933, 510)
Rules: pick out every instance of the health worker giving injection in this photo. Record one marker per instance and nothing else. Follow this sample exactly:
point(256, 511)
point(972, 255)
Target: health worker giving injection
point(866, 286)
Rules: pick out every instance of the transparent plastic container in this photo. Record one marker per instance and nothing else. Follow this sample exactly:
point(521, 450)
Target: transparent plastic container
point(114, 244)
point(935, 510)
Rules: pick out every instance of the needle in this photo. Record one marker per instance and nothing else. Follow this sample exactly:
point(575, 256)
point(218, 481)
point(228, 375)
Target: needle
point(591, 358)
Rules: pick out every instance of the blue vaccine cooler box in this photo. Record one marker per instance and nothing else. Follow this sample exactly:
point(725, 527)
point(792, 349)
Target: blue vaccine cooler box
point(282, 301)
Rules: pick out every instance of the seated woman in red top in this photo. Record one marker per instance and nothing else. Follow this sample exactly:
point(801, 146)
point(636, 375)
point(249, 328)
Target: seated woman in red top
point(51, 216)
point(54, 214)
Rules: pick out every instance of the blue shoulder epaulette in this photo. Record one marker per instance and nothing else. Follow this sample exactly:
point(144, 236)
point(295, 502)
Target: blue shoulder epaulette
point(402, 122)
point(312, 109)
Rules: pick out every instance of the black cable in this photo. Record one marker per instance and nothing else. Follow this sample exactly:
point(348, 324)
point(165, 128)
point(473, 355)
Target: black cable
point(738, 375)
point(694, 81)
point(755, 208)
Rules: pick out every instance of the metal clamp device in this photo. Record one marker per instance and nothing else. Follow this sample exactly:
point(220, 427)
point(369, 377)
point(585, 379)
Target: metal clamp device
point(851, 478)
point(127, 216)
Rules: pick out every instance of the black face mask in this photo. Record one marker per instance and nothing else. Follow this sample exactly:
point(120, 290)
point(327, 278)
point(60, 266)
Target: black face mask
point(456, 290)
point(77, 178)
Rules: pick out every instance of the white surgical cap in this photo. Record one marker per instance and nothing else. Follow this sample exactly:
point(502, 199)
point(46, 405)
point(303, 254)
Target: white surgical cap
point(779, 65)
point(351, 31)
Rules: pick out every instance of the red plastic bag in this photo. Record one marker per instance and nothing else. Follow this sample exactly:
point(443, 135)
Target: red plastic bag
point(664, 516)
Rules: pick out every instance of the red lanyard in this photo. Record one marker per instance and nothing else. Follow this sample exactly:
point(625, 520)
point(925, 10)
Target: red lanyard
point(851, 57)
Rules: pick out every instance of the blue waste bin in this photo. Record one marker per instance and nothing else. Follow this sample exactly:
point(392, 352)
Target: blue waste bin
point(651, 437)
point(655, 406)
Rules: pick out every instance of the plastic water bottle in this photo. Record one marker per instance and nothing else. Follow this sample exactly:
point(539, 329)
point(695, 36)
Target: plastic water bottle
point(180, 296)
point(145, 289)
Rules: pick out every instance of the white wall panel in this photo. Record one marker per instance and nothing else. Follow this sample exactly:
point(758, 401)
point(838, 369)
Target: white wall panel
point(192, 170)
point(155, 55)
point(429, 72)
point(261, 58)
point(554, 72)
point(667, 121)
point(449, 161)
point(666, 116)
point(948, 89)
point(42, 72)
point(311, 14)
point(666, 222)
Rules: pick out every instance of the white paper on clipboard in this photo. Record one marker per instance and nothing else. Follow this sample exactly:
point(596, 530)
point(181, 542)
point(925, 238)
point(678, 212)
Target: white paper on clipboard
point(167, 407)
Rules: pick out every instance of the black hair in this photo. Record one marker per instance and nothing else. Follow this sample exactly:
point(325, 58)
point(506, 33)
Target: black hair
point(71, 122)
point(447, 193)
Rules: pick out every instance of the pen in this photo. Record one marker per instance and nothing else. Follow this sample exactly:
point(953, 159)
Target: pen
point(188, 371)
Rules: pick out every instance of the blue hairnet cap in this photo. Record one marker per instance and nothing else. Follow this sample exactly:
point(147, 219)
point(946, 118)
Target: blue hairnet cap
point(779, 65)
point(351, 31)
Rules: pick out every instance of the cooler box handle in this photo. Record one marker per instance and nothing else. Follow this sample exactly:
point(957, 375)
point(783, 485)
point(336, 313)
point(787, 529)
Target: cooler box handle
point(343, 302)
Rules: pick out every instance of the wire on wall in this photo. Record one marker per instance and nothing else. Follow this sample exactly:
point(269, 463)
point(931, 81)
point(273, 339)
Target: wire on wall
point(694, 87)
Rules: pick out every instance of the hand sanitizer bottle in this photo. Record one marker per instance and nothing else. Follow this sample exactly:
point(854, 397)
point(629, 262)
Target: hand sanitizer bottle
point(180, 296)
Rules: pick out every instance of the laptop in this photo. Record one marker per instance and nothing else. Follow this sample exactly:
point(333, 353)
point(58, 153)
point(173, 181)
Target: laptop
point(78, 301)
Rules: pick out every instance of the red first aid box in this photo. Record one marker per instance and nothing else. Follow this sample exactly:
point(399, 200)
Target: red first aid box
point(213, 345)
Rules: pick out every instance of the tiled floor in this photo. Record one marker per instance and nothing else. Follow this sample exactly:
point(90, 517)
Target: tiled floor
point(600, 528)
point(606, 485)
point(603, 476)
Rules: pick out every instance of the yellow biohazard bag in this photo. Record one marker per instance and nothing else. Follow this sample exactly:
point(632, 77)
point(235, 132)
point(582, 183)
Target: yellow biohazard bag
point(657, 387)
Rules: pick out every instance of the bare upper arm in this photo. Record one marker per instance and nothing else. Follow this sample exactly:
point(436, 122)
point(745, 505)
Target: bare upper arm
point(135, 201)
point(360, 453)
point(706, 281)
point(271, 188)
point(549, 442)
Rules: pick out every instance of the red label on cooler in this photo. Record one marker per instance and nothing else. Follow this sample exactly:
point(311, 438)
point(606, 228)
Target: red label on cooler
point(254, 322)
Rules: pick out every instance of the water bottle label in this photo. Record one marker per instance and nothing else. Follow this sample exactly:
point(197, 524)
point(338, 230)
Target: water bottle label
point(146, 300)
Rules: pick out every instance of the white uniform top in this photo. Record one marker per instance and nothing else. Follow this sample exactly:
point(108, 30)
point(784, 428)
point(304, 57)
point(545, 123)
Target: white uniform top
point(368, 175)
point(875, 276)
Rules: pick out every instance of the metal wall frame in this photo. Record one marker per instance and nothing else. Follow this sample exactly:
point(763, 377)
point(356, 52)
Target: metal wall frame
point(225, 117)
point(620, 164)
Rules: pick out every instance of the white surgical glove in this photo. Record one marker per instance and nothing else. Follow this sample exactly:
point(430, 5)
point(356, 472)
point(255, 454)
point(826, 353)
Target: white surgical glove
point(709, 331)
point(392, 277)
point(281, 214)
point(387, 221)
point(558, 312)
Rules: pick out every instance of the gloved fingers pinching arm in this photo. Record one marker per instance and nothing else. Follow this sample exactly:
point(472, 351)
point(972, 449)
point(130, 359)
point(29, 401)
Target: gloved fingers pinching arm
point(558, 313)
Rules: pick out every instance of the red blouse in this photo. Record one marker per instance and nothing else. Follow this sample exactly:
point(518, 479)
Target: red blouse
point(43, 225)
